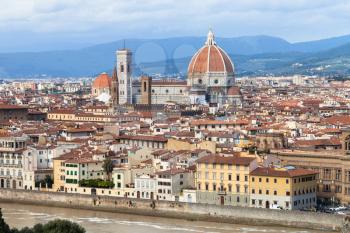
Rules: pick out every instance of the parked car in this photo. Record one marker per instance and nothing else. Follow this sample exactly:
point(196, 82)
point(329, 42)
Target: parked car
point(276, 207)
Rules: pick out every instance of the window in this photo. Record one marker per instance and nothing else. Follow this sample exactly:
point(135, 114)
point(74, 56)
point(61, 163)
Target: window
point(275, 181)
point(216, 81)
point(260, 180)
point(246, 178)
point(237, 177)
point(287, 181)
point(267, 180)
point(253, 179)
point(275, 192)
point(253, 201)
point(338, 174)
point(229, 177)
point(327, 174)
point(260, 191)
point(287, 193)
point(326, 188)
point(214, 187)
point(200, 81)
point(144, 86)
point(121, 68)
point(253, 191)
point(267, 192)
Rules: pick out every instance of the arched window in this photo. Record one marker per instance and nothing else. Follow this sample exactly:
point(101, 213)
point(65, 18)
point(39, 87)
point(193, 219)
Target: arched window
point(200, 81)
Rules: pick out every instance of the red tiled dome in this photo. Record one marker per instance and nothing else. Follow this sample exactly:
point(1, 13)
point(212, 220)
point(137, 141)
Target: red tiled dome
point(210, 58)
point(102, 81)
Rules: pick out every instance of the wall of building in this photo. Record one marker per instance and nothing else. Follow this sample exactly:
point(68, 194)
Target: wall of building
point(204, 212)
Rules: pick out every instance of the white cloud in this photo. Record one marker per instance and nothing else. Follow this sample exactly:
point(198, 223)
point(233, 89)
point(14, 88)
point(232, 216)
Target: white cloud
point(114, 19)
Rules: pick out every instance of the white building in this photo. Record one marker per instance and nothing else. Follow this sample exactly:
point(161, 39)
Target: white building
point(170, 183)
point(145, 186)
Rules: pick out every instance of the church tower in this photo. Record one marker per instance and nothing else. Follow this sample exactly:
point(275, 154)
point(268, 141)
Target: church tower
point(124, 58)
point(114, 89)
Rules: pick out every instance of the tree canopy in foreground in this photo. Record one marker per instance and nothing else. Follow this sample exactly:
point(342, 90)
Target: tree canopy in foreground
point(54, 226)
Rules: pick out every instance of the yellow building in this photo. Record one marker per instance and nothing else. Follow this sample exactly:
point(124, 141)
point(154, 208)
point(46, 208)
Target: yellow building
point(58, 174)
point(73, 116)
point(284, 188)
point(179, 144)
point(224, 180)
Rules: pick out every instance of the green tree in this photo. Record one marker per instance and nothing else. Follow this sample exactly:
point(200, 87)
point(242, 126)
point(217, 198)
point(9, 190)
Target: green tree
point(108, 167)
point(38, 228)
point(62, 226)
point(4, 228)
point(24, 230)
point(55, 226)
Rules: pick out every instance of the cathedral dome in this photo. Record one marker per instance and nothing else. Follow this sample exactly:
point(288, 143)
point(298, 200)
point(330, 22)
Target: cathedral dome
point(102, 81)
point(210, 58)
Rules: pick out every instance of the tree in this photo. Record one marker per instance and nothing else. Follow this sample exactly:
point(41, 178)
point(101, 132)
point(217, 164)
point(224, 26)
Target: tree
point(46, 181)
point(55, 226)
point(62, 226)
point(108, 167)
point(4, 228)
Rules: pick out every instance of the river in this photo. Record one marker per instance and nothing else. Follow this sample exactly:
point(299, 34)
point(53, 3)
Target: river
point(19, 215)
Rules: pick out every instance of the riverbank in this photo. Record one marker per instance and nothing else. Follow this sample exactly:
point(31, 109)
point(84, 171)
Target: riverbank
point(201, 212)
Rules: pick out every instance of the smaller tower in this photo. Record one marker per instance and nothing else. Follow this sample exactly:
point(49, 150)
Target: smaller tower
point(124, 76)
point(115, 88)
point(146, 90)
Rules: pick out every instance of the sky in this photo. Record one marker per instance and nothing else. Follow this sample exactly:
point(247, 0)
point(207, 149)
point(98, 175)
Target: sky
point(38, 25)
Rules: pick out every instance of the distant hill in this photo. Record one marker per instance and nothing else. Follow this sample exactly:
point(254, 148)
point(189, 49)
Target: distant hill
point(252, 55)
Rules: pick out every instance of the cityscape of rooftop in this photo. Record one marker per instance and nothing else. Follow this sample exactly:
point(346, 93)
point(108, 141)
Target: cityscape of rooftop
point(181, 124)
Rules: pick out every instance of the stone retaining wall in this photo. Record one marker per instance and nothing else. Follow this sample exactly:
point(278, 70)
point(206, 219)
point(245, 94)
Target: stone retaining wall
point(204, 212)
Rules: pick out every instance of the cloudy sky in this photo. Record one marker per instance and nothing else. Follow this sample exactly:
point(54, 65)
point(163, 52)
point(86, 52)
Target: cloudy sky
point(33, 25)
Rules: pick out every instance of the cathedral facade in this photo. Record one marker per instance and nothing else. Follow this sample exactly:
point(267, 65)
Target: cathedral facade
point(210, 79)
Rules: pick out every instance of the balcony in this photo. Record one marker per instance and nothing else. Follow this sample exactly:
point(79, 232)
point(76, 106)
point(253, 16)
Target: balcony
point(7, 165)
point(222, 191)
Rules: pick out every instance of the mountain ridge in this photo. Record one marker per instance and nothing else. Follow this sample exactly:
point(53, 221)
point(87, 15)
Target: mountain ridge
point(260, 54)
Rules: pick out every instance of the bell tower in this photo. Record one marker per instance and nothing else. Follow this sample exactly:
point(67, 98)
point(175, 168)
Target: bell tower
point(124, 58)
point(114, 89)
point(146, 87)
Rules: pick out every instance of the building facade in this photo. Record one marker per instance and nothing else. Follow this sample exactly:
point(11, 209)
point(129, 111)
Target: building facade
point(285, 188)
point(224, 180)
